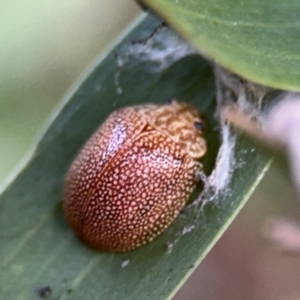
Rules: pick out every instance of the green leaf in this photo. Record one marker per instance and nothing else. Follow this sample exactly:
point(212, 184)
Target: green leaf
point(38, 248)
point(258, 40)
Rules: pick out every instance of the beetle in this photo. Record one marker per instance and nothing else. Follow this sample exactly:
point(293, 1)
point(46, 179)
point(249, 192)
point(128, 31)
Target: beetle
point(134, 175)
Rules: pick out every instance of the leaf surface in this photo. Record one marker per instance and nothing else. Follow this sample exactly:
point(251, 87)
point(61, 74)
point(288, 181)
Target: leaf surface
point(38, 248)
point(258, 40)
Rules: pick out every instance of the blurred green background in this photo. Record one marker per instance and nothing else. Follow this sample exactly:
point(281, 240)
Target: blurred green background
point(45, 46)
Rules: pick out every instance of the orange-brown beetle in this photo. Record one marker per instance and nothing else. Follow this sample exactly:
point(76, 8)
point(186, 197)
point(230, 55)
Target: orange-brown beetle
point(134, 175)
